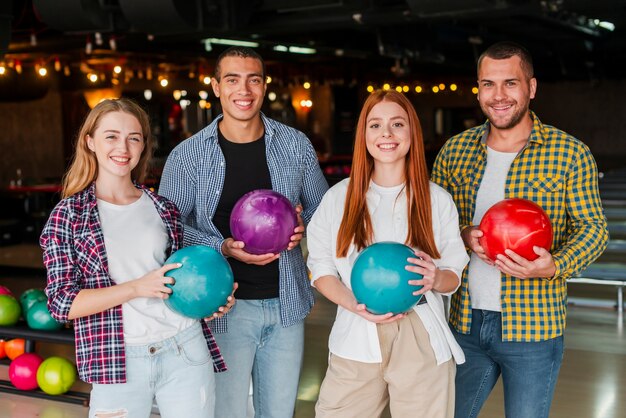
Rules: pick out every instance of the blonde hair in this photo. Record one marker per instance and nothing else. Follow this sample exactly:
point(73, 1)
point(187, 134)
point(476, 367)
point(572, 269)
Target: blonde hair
point(84, 167)
point(356, 224)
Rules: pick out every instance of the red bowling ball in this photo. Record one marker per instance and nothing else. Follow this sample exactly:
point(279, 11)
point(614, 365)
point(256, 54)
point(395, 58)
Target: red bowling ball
point(517, 225)
point(23, 371)
point(5, 291)
point(264, 220)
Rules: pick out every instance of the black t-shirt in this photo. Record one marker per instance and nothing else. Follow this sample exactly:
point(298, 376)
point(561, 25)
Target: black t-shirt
point(246, 170)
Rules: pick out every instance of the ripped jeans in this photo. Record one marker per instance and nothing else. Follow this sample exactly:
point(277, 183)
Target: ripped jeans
point(176, 372)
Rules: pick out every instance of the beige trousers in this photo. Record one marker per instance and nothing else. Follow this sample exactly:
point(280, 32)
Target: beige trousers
point(408, 378)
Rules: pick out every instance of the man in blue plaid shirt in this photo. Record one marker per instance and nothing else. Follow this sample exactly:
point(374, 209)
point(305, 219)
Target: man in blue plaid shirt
point(242, 150)
point(509, 314)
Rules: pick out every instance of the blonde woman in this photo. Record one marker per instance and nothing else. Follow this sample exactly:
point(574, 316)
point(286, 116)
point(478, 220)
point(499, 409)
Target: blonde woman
point(104, 248)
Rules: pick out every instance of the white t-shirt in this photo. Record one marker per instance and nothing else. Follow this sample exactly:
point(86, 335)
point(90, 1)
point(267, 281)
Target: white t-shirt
point(353, 337)
point(136, 241)
point(485, 280)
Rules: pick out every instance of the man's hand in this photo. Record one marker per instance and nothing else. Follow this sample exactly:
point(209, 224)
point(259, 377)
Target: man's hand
point(517, 266)
point(234, 249)
point(470, 236)
point(298, 231)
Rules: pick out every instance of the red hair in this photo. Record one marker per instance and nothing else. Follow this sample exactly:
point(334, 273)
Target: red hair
point(356, 224)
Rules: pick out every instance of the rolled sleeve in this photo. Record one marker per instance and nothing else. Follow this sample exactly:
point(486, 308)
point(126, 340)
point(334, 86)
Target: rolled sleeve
point(449, 243)
point(320, 242)
point(59, 259)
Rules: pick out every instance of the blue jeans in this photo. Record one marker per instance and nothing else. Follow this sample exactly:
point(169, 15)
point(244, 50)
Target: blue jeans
point(257, 345)
point(177, 372)
point(529, 370)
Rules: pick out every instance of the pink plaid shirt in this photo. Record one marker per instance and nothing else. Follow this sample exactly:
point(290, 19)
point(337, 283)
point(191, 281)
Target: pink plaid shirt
point(75, 257)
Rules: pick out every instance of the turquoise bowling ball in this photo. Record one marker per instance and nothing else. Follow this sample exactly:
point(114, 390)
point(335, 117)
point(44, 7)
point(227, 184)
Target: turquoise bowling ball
point(30, 297)
point(38, 317)
point(380, 281)
point(203, 283)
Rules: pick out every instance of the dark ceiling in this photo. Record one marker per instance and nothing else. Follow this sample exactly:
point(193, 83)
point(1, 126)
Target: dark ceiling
point(569, 39)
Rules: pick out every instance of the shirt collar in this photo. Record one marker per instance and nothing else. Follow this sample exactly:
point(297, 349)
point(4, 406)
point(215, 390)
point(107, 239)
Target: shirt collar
point(211, 131)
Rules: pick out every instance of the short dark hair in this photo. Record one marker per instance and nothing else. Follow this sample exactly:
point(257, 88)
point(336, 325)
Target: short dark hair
point(505, 50)
point(241, 52)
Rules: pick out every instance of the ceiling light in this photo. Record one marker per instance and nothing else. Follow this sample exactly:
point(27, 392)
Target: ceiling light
point(606, 25)
point(302, 50)
point(233, 42)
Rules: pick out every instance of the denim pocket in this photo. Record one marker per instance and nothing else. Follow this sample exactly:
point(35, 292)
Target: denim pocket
point(195, 352)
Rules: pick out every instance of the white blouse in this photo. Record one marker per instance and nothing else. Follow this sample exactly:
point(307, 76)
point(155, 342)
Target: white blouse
point(353, 337)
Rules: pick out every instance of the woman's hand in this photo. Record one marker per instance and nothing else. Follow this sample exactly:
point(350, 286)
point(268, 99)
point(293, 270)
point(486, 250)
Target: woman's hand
point(361, 310)
point(223, 310)
point(153, 284)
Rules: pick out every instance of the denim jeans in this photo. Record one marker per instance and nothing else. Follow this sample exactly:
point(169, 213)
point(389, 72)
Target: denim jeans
point(257, 345)
point(529, 370)
point(177, 372)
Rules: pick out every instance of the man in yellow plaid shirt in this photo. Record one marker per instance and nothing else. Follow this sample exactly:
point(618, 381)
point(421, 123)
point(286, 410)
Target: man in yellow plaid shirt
point(509, 314)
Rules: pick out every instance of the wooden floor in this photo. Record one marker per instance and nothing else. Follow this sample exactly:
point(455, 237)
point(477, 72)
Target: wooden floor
point(592, 383)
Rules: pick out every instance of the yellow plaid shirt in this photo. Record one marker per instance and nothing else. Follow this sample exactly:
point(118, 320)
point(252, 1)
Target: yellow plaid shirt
point(556, 171)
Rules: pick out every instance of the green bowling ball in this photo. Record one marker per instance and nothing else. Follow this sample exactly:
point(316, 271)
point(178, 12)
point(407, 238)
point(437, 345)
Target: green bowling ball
point(38, 317)
point(9, 310)
point(30, 296)
point(56, 375)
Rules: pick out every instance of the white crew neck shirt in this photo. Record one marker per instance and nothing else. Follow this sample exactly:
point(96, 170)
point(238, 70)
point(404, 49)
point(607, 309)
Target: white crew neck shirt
point(484, 280)
point(136, 242)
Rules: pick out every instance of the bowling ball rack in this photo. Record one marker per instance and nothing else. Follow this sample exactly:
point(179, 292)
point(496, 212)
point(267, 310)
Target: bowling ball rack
point(63, 336)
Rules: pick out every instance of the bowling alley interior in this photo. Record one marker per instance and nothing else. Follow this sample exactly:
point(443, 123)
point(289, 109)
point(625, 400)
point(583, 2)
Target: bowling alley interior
point(323, 58)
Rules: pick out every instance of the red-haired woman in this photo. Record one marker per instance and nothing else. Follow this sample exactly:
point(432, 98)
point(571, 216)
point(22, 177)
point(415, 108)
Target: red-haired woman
point(406, 359)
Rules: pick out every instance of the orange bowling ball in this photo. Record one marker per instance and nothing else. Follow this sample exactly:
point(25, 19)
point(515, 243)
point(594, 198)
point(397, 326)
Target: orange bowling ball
point(14, 348)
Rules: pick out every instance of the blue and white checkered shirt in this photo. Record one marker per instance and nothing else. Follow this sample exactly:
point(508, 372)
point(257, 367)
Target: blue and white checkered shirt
point(193, 178)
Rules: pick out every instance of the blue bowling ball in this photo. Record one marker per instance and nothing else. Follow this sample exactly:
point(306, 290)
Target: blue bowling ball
point(380, 281)
point(203, 283)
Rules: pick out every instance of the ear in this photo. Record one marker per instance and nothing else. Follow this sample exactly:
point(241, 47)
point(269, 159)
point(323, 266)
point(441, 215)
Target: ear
point(90, 143)
point(533, 87)
point(216, 86)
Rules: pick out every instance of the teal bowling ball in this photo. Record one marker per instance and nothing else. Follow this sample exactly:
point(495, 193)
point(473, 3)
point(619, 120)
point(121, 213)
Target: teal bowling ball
point(380, 281)
point(30, 297)
point(203, 282)
point(38, 317)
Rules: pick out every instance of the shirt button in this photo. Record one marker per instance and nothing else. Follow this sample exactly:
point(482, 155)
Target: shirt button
point(152, 350)
point(222, 164)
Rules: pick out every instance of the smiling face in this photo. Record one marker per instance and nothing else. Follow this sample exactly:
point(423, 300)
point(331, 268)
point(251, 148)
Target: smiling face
point(118, 143)
point(387, 133)
point(241, 87)
point(504, 91)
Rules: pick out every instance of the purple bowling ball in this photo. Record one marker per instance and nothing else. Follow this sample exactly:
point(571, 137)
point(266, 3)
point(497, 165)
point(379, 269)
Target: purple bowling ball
point(264, 220)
